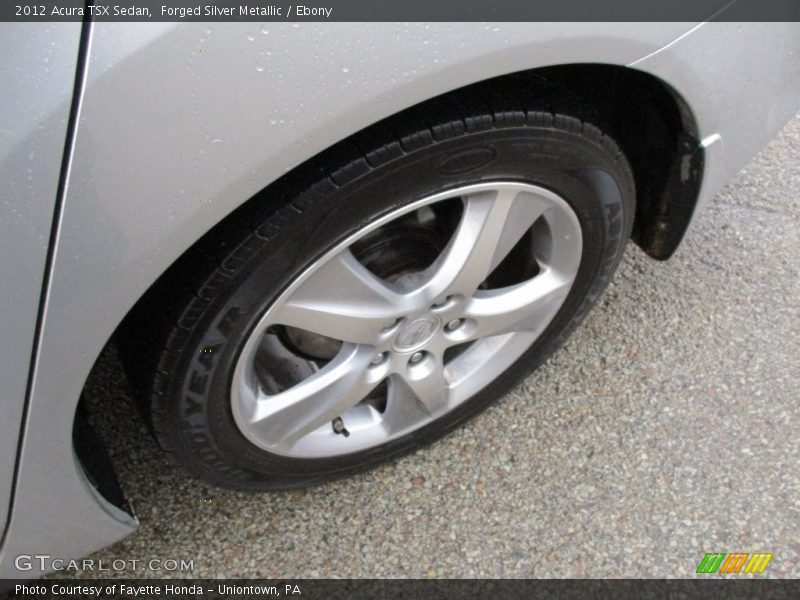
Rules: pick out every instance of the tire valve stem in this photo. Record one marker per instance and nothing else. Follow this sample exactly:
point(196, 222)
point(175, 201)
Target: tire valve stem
point(339, 428)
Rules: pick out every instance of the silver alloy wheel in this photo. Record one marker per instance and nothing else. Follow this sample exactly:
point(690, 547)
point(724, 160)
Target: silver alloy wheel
point(399, 334)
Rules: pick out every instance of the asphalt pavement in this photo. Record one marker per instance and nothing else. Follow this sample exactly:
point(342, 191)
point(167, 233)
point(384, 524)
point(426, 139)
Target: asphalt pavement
point(667, 427)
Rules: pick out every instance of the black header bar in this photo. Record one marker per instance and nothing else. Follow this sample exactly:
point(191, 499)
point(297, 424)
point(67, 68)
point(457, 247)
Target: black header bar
point(399, 10)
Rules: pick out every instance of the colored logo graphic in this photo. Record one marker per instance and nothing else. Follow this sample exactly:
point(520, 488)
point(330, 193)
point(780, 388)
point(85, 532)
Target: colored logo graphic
point(735, 562)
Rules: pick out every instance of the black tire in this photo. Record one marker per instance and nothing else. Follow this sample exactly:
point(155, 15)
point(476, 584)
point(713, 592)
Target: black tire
point(190, 404)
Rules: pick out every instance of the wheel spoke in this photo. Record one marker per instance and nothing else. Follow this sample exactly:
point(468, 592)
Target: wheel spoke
point(492, 223)
point(525, 209)
point(283, 418)
point(421, 393)
point(342, 300)
point(525, 307)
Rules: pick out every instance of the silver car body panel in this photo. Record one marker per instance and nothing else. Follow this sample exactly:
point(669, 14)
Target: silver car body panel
point(180, 124)
point(741, 81)
point(37, 71)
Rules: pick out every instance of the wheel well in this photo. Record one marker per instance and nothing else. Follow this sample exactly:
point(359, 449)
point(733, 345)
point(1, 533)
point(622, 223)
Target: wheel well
point(649, 121)
point(657, 133)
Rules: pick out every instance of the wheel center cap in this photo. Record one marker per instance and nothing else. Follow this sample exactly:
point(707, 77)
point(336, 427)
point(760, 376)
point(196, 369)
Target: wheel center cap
point(416, 334)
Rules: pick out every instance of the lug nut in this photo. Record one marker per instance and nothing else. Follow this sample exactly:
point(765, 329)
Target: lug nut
point(393, 325)
point(442, 303)
point(416, 357)
point(454, 324)
point(379, 359)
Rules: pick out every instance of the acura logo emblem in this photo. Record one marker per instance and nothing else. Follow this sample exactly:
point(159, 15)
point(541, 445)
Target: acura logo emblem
point(416, 333)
